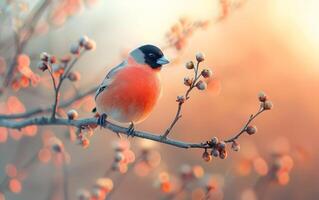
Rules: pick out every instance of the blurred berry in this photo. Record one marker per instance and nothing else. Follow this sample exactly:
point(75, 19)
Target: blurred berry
point(56, 145)
point(74, 76)
point(119, 156)
point(65, 59)
point(53, 59)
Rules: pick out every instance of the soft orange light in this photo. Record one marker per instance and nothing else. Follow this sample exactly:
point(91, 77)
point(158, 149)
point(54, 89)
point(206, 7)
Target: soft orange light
point(11, 170)
point(15, 186)
point(44, 155)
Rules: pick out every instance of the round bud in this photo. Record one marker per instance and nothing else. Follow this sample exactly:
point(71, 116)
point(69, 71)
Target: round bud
point(200, 57)
point(118, 156)
point(262, 97)
point(214, 140)
point(83, 40)
point(267, 105)
point(201, 85)
point(90, 45)
point(207, 73)
point(251, 130)
point(180, 99)
point(74, 76)
point(189, 65)
point(206, 156)
point(72, 114)
point(44, 56)
point(75, 49)
point(235, 146)
point(223, 154)
point(187, 81)
point(221, 145)
point(215, 153)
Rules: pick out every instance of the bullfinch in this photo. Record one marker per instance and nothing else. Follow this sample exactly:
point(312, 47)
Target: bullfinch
point(130, 90)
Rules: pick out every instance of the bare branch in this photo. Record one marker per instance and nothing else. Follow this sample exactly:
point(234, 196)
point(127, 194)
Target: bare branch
point(57, 88)
point(83, 123)
point(183, 100)
point(243, 130)
point(37, 111)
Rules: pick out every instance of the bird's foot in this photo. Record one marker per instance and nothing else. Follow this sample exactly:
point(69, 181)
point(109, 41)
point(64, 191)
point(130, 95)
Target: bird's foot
point(131, 130)
point(101, 121)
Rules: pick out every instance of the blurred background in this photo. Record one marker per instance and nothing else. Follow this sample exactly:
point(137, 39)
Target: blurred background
point(250, 45)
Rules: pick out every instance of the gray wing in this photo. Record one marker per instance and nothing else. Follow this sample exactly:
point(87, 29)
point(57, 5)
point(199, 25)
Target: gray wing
point(108, 78)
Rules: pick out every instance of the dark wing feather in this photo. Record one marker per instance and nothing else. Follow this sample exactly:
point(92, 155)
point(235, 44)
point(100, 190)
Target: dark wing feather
point(108, 78)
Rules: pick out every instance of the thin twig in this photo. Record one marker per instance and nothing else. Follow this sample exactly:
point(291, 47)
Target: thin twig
point(251, 118)
point(58, 87)
point(47, 109)
point(180, 103)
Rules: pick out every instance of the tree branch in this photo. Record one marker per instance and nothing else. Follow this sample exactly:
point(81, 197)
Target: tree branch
point(47, 109)
point(83, 123)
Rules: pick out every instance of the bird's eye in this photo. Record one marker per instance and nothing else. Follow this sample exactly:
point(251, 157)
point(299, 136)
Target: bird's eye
point(151, 55)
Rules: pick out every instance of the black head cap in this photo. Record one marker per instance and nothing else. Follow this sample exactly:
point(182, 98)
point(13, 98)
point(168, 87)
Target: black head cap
point(153, 56)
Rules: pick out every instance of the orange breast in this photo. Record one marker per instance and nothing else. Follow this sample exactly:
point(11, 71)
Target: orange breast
point(131, 95)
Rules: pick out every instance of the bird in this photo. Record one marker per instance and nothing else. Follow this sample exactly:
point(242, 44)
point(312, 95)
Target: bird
point(130, 91)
